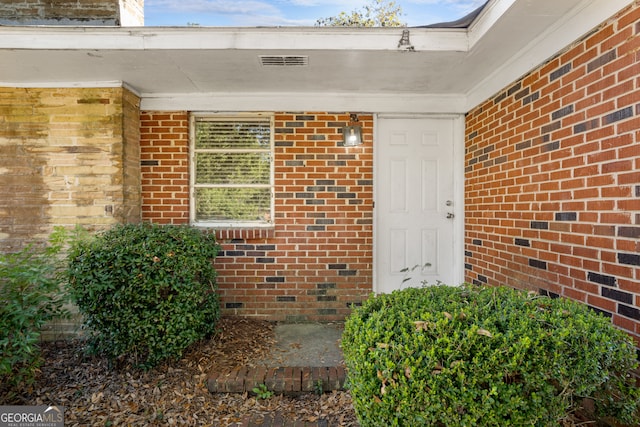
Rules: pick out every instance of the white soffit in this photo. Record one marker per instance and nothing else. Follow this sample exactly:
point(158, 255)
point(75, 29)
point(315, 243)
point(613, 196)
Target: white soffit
point(491, 13)
point(575, 22)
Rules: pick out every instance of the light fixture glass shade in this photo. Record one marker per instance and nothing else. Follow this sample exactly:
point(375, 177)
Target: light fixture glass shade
point(352, 135)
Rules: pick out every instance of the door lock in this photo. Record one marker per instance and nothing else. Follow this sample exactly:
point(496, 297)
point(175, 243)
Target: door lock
point(450, 215)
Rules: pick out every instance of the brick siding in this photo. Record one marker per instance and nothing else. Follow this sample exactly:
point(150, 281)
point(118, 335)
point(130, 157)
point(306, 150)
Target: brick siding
point(317, 260)
point(553, 177)
point(164, 151)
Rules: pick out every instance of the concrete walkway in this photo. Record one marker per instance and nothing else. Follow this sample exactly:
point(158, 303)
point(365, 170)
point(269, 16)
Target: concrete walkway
point(306, 358)
point(306, 344)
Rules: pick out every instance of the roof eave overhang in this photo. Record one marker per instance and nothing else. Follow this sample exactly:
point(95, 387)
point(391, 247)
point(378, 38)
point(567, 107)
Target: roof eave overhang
point(486, 33)
point(276, 40)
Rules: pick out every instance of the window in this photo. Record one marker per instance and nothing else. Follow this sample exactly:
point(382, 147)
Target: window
point(232, 171)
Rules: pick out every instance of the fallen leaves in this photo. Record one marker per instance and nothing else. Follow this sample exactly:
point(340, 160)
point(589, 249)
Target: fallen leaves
point(407, 372)
point(484, 332)
point(96, 393)
point(422, 325)
point(437, 370)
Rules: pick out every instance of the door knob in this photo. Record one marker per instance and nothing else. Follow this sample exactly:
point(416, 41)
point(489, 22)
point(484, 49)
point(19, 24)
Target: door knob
point(450, 215)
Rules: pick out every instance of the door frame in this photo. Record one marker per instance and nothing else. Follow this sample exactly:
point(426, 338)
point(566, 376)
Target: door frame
point(458, 190)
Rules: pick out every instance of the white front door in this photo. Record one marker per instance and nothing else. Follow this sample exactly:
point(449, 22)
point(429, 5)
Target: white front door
point(416, 204)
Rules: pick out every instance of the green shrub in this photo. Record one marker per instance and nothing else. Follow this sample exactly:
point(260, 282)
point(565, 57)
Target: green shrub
point(146, 291)
point(30, 286)
point(465, 356)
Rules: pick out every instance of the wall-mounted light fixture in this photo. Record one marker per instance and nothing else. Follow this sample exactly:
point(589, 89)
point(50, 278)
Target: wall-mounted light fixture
point(352, 134)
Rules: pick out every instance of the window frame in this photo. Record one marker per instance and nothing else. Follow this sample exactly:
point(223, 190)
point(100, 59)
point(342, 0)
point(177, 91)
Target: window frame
point(195, 117)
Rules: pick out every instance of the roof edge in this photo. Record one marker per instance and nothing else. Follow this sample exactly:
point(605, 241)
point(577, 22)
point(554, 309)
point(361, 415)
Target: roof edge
point(464, 22)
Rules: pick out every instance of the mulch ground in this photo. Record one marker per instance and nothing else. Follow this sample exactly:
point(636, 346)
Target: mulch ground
point(95, 392)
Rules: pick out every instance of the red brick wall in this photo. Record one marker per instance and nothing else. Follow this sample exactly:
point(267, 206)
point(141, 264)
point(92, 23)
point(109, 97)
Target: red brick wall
point(553, 177)
point(318, 259)
point(164, 142)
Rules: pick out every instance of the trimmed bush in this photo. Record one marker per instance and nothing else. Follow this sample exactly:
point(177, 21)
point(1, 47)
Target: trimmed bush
point(465, 356)
point(30, 285)
point(146, 291)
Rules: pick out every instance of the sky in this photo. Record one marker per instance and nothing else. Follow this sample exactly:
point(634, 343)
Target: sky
point(275, 13)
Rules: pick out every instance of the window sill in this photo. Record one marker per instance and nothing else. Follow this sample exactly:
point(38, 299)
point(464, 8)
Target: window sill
point(247, 232)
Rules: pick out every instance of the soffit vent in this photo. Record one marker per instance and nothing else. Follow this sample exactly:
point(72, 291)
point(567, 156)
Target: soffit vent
point(284, 60)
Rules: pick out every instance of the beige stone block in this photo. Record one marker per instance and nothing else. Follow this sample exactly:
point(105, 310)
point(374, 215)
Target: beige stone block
point(72, 170)
point(15, 110)
point(59, 183)
point(41, 236)
point(59, 196)
point(98, 223)
point(88, 183)
point(86, 170)
point(26, 118)
point(96, 161)
point(67, 211)
point(96, 121)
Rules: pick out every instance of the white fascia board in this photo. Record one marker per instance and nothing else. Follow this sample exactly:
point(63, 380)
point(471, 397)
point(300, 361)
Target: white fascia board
point(74, 85)
point(370, 102)
point(584, 18)
point(491, 13)
point(69, 38)
point(70, 85)
point(188, 38)
point(308, 39)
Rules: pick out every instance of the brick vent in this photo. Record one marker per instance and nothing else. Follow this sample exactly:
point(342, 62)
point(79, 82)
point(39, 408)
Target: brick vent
point(553, 177)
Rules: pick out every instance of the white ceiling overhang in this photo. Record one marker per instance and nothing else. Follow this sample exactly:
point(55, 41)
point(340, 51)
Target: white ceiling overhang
point(347, 69)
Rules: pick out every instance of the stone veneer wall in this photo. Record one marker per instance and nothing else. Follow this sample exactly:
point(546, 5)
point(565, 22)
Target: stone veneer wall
point(67, 157)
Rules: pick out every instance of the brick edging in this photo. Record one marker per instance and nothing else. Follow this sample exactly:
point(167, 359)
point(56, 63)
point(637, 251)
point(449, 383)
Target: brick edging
point(281, 380)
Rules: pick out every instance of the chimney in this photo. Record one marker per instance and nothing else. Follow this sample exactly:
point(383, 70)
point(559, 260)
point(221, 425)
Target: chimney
point(131, 13)
point(113, 13)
